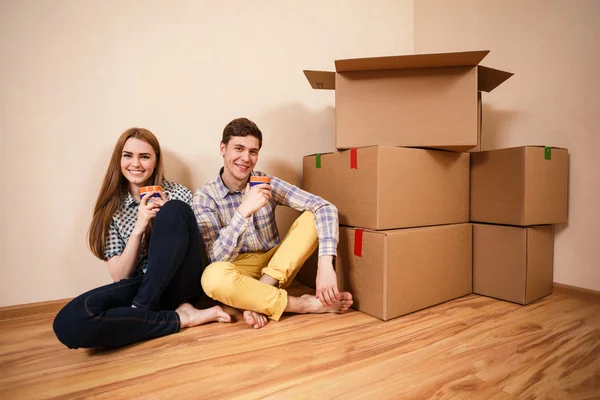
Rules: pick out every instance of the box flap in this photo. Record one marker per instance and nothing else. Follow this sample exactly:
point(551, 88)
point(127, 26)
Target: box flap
point(321, 79)
point(341, 151)
point(489, 79)
point(542, 146)
point(460, 59)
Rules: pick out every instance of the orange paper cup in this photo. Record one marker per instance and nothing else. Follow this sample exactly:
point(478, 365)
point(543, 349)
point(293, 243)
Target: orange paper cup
point(259, 180)
point(146, 189)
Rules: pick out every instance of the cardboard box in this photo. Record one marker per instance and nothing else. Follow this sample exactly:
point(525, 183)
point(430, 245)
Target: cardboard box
point(401, 271)
point(383, 187)
point(424, 100)
point(520, 186)
point(513, 263)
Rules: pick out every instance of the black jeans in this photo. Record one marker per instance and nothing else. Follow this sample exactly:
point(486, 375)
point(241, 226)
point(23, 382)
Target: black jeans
point(104, 318)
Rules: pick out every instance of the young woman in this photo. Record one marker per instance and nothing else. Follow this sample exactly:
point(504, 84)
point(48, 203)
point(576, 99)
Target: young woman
point(154, 254)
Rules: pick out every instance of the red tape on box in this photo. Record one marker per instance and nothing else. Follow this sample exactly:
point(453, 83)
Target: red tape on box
point(353, 159)
point(358, 234)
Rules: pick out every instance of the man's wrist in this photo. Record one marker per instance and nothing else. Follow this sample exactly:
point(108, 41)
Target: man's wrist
point(325, 262)
point(243, 212)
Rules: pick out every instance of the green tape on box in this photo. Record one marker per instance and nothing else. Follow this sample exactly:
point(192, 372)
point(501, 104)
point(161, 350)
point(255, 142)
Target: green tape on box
point(547, 153)
point(318, 161)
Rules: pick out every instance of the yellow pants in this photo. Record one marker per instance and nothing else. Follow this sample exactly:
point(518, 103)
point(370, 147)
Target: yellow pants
point(236, 283)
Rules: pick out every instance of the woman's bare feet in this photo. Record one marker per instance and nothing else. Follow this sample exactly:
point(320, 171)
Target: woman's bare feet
point(190, 316)
point(255, 319)
point(310, 304)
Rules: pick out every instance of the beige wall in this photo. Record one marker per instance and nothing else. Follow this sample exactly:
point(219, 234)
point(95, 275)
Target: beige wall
point(75, 74)
point(553, 48)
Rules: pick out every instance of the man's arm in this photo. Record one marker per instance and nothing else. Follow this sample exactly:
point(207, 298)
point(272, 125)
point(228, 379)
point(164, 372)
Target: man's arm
point(326, 214)
point(222, 244)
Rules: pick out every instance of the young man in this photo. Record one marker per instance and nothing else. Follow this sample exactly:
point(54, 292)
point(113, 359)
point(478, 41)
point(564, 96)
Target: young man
point(250, 265)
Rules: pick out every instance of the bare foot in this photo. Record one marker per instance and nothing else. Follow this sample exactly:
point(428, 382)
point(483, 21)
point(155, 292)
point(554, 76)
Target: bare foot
point(190, 316)
point(310, 304)
point(255, 319)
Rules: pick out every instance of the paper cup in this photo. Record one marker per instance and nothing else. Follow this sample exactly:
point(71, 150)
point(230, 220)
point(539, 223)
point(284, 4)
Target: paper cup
point(147, 189)
point(259, 180)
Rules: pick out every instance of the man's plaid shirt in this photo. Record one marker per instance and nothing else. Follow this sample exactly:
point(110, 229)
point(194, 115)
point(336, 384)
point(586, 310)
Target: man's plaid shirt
point(226, 233)
point(124, 221)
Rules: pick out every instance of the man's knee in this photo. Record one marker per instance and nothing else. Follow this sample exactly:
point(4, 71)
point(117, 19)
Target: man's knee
point(217, 280)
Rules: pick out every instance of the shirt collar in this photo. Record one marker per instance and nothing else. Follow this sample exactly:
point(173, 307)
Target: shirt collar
point(224, 190)
point(129, 200)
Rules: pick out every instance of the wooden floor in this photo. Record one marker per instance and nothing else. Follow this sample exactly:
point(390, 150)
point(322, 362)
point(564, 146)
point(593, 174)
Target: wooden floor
point(470, 348)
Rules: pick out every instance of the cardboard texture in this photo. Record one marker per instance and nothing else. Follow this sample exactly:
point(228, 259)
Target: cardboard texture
point(392, 187)
point(513, 263)
point(402, 271)
point(423, 100)
point(520, 186)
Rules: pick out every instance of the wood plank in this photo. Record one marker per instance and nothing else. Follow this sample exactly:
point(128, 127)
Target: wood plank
point(473, 348)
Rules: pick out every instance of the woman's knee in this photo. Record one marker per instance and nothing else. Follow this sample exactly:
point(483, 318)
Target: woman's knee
point(69, 322)
point(173, 215)
point(175, 207)
point(217, 279)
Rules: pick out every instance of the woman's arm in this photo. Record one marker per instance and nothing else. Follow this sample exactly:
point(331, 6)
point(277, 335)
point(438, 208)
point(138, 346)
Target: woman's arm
point(122, 265)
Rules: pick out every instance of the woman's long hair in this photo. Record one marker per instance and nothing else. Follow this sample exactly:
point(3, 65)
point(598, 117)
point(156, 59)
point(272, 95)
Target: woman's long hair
point(114, 189)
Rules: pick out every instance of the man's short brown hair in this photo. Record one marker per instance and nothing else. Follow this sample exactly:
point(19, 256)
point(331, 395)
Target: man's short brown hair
point(241, 127)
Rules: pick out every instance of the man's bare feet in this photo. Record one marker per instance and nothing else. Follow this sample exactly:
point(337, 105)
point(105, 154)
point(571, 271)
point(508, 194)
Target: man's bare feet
point(310, 304)
point(255, 319)
point(190, 316)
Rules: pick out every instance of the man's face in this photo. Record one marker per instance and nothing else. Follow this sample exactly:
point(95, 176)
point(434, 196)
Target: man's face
point(240, 156)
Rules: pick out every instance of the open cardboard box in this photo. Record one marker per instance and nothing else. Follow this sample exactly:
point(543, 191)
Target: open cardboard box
point(423, 100)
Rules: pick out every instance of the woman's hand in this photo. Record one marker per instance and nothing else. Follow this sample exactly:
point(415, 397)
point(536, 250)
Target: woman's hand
point(160, 201)
point(146, 212)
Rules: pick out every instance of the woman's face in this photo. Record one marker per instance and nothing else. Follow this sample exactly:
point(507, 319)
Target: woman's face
point(138, 161)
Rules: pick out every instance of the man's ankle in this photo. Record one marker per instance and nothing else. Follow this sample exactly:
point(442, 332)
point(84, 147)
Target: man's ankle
point(269, 280)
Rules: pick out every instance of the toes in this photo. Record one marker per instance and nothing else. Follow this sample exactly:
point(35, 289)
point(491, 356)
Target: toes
point(249, 318)
point(261, 321)
point(224, 317)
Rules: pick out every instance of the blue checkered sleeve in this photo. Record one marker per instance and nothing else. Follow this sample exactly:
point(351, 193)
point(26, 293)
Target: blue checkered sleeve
point(114, 244)
point(222, 244)
point(326, 214)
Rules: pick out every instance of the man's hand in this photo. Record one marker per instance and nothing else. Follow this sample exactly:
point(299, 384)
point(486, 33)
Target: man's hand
point(255, 198)
point(327, 290)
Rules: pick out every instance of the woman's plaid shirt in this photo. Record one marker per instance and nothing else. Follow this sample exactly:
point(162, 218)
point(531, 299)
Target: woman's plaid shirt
point(226, 233)
point(124, 220)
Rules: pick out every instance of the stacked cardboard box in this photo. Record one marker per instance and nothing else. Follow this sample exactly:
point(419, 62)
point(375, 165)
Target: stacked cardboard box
point(399, 179)
point(516, 194)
